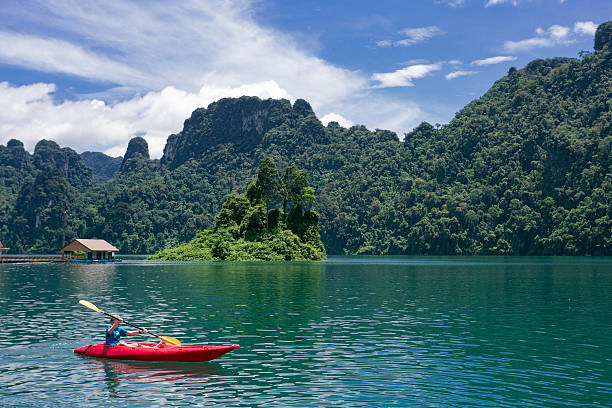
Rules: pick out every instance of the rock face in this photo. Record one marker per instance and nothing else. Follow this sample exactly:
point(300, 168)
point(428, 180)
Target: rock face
point(15, 155)
point(242, 122)
point(137, 149)
point(49, 156)
point(603, 36)
point(137, 145)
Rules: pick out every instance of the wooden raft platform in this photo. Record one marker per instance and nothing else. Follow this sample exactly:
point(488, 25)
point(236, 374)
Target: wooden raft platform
point(32, 259)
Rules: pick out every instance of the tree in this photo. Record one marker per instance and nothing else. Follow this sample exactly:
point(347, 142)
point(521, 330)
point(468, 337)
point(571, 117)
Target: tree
point(295, 181)
point(269, 183)
point(233, 211)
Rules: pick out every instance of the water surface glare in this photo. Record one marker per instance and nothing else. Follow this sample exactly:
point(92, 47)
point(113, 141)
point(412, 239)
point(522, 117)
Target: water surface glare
point(348, 332)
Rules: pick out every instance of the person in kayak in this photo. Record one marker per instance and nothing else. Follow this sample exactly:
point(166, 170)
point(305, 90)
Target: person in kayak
point(114, 334)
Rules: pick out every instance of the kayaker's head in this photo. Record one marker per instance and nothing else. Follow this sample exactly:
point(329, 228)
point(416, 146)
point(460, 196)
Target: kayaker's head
point(116, 318)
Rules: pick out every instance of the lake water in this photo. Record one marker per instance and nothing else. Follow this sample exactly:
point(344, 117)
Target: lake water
point(348, 332)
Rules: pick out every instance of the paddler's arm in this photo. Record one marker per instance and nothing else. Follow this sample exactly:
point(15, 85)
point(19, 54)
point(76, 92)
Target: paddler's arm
point(113, 327)
point(131, 333)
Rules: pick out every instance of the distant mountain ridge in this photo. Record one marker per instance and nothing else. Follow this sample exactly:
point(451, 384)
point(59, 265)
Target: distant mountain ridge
point(523, 170)
point(103, 167)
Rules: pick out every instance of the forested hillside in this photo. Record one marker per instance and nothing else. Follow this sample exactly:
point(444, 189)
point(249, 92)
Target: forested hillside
point(525, 169)
point(103, 167)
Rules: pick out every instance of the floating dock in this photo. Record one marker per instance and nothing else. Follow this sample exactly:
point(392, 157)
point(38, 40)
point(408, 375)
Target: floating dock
point(33, 259)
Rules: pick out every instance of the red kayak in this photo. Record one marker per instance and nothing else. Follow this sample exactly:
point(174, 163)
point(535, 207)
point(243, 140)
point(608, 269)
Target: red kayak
point(163, 352)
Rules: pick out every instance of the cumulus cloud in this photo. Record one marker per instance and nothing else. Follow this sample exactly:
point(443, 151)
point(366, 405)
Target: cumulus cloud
point(29, 114)
point(585, 28)
point(493, 60)
point(458, 74)
point(404, 76)
point(334, 117)
point(554, 35)
point(558, 33)
point(413, 36)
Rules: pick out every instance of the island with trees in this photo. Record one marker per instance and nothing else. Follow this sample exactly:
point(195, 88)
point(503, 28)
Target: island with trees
point(251, 227)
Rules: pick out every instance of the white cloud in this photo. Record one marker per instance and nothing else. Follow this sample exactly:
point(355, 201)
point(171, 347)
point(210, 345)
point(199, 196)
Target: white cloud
point(334, 117)
point(515, 3)
point(413, 36)
point(496, 2)
point(452, 3)
point(558, 33)
point(585, 28)
point(493, 60)
point(458, 74)
point(404, 76)
point(554, 35)
point(488, 3)
point(267, 89)
point(50, 55)
point(28, 113)
point(528, 45)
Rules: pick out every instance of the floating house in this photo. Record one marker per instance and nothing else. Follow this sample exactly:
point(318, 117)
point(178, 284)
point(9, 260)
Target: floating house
point(89, 250)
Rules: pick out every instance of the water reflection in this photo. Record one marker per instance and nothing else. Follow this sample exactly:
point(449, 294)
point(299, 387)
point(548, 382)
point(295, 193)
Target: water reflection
point(91, 276)
point(155, 375)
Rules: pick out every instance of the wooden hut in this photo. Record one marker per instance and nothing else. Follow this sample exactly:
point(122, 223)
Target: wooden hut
point(89, 250)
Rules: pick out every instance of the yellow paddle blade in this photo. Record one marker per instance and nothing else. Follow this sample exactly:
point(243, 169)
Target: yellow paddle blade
point(90, 305)
point(170, 341)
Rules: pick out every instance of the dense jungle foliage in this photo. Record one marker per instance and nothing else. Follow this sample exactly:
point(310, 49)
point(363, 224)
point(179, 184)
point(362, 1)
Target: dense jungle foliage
point(250, 227)
point(523, 170)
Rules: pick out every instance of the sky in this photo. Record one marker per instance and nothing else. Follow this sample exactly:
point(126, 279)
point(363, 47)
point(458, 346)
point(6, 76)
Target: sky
point(91, 75)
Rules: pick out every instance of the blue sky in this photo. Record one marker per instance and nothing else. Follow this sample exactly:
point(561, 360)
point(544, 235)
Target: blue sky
point(91, 75)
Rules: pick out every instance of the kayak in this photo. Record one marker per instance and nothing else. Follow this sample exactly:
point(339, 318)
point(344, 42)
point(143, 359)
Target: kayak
point(146, 352)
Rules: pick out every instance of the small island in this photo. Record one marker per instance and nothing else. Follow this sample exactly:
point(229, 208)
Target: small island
point(273, 221)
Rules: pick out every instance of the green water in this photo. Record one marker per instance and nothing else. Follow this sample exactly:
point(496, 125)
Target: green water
point(351, 332)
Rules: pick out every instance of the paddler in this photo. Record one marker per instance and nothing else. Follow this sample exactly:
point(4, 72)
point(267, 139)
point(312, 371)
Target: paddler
point(114, 334)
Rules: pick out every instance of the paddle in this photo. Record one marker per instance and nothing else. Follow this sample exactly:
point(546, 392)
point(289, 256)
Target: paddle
point(166, 339)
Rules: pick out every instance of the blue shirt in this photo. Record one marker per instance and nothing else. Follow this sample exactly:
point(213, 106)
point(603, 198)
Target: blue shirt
point(113, 338)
